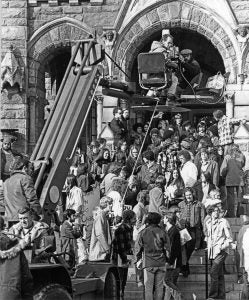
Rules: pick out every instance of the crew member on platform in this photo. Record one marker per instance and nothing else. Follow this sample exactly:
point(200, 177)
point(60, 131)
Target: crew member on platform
point(190, 68)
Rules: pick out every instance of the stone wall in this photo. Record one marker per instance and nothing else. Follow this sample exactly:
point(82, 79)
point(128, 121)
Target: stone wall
point(96, 17)
point(14, 110)
point(37, 29)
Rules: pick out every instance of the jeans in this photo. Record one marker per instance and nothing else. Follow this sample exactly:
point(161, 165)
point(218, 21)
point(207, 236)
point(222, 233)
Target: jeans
point(217, 285)
point(153, 281)
point(232, 200)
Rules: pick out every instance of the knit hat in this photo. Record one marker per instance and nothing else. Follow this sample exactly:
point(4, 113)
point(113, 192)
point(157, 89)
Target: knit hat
point(213, 129)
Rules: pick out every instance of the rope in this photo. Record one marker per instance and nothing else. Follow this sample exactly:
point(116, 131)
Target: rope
point(202, 101)
point(140, 151)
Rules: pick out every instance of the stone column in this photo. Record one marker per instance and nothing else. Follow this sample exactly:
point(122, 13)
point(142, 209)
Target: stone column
point(229, 99)
point(99, 99)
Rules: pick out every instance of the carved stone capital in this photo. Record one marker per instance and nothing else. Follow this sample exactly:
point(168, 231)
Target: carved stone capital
point(229, 97)
point(11, 71)
point(99, 99)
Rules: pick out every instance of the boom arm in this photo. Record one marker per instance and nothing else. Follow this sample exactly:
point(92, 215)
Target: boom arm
point(66, 122)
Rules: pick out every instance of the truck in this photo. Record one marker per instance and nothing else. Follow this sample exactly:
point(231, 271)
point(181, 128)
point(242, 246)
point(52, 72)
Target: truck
point(57, 143)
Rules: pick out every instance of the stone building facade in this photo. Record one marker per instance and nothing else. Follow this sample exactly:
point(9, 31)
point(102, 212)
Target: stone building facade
point(37, 37)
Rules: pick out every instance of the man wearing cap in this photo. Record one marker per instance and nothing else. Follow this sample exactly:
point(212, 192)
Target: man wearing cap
point(7, 156)
point(189, 67)
point(19, 190)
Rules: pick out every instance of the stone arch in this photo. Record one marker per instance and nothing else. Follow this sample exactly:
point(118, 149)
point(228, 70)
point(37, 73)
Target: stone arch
point(171, 15)
point(54, 37)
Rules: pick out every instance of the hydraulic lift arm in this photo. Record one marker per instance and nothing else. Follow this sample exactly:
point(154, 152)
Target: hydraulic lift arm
point(66, 122)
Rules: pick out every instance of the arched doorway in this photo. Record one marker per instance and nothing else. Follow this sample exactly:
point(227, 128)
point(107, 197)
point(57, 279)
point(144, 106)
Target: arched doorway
point(49, 53)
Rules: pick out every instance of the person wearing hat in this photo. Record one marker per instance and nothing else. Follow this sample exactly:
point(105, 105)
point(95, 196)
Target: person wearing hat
point(19, 190)
point(189, 66)
point(7, 156)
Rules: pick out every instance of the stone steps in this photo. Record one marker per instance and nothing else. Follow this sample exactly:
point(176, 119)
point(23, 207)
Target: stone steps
point(194, 286)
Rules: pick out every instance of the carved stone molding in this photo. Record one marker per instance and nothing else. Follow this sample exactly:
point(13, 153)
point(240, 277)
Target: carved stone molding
point(11, 71)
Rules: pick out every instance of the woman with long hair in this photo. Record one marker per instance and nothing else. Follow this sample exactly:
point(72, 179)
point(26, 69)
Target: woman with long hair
point(131, 160)
point(174, 188)
point(203, 187)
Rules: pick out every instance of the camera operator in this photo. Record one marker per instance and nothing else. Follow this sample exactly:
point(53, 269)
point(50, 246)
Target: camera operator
point(189, 67)
point(167, 47)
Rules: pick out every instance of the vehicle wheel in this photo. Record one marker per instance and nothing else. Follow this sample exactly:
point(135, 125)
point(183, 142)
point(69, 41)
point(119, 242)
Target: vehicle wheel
point(53, 292)
point(111, 290)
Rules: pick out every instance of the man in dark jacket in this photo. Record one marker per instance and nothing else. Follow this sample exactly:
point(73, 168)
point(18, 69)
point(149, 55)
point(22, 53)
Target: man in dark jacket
point(153, 245)
point(19, 190)
point(122, 245)
point(117, 126)
point(190, 67)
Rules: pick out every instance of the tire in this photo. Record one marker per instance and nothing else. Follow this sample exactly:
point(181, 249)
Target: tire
point(111, 289)
point(53, 292)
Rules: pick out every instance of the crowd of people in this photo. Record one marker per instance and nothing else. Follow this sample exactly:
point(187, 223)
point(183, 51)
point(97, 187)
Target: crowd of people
point(167, 188)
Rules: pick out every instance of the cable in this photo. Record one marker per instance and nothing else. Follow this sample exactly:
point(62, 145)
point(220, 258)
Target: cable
point(117, 65)
point(140, 150)
point(202, 101)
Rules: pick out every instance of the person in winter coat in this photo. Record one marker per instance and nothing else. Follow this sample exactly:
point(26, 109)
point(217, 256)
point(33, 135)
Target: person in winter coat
point(232, 169)
point(152, 246)
point(156, 199)
point(149, 171)
point(117, 126)
point(16, 281)
point(175, 256)
point(70, 232)
point(210, 166)
point(19, 190)
point(84, 178)
point(75, 201)
point(141, 211)
point(203, 187)
point(100, 244)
